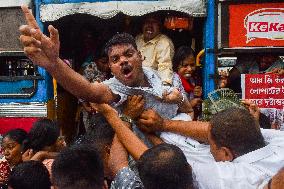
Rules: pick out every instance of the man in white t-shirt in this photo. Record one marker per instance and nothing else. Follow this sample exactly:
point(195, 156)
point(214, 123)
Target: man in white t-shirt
point(245, 156)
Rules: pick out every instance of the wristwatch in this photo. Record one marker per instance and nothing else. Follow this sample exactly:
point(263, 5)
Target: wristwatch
point(125, 118)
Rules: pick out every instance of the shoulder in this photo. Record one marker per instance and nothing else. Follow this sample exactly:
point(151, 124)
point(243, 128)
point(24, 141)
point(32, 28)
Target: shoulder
point(273, 136)
point(126, 178)
point(163, 39)
point(228, 175)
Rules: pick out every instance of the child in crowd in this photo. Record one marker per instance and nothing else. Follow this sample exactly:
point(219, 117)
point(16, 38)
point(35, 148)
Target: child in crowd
point(185, 66)
point(43, 142)
point(12, 147)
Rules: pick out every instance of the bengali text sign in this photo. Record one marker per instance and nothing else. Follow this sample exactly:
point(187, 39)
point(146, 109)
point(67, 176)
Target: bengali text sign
point(265, 90)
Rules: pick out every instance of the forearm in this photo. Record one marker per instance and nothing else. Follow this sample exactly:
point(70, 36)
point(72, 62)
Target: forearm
point(130, 141)
point(195, 129)
point(78, 85)
point(120, 154)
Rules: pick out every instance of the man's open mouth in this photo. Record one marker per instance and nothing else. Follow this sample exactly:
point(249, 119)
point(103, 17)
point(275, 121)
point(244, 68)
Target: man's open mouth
point(149, 30)
point(126, 70)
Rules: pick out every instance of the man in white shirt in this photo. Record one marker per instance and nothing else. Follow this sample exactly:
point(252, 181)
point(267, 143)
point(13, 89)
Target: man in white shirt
point(156, 49)
point(246, 157)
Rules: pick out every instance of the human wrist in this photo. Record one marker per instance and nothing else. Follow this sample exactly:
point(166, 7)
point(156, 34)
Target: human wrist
point(128, 114)
point(126, 118)
point(181, 100)
point(53, 65)
point(166, 125)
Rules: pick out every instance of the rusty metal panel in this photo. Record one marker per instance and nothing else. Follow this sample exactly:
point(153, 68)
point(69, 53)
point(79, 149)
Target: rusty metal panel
point(14, 3)
point(10, 20)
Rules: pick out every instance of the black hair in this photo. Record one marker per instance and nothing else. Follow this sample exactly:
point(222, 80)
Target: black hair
point(120, 39)
point(182, 53)
point(165, 167)
point(154, 16)
point(17, 135)
point(78, 166)
point(237, 130)
point(29, 175)
point(44, 132)
point(99, 135)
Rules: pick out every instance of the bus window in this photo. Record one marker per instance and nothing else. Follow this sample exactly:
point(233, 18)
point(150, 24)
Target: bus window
point(18, 77)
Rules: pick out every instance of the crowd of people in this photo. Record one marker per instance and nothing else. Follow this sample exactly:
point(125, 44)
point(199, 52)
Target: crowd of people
point(144, 131)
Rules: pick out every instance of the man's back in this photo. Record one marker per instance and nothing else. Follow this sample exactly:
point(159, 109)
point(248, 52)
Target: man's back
point(250, 170)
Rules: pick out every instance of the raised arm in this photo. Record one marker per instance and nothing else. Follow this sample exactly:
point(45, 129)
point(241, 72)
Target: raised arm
point(44, 52)
point(130, 141)
point(150, 121)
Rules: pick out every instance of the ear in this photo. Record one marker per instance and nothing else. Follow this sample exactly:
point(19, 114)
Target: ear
point(227, 154)
point(140, 55)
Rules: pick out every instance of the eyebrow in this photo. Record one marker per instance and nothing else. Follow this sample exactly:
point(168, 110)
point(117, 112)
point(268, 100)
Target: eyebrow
point(126, 51)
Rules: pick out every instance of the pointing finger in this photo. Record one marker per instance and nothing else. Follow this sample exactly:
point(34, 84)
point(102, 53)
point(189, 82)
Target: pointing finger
point(29, 17)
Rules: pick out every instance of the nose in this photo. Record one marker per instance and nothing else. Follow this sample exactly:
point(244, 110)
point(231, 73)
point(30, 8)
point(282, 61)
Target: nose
point(189, 68)
point(123, 60)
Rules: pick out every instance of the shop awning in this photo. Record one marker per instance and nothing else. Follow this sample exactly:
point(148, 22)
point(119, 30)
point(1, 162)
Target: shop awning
point(108, 9)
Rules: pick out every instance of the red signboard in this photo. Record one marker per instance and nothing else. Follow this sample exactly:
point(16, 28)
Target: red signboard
point(256, 25)
point(9, 123)
point(265, 90)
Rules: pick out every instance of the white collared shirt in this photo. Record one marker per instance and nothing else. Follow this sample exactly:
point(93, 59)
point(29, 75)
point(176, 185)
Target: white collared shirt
point(158, 54)
point(194, 151)
point(250, 171)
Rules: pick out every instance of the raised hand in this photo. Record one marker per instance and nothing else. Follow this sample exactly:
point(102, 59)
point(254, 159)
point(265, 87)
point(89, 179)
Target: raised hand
point(42, 50)
point(278, 71)
point(252, 108)
point(174, 97)
point(197, 91)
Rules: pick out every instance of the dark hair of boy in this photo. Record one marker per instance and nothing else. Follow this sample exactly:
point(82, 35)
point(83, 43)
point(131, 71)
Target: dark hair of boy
point(120, 39)
point(29, 175)
point(165, 167)
point(79, 166)
point(237, 130)
point(43, 133)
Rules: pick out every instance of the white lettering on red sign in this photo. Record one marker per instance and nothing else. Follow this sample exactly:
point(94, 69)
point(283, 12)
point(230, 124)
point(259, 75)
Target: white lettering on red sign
point(267, 23)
